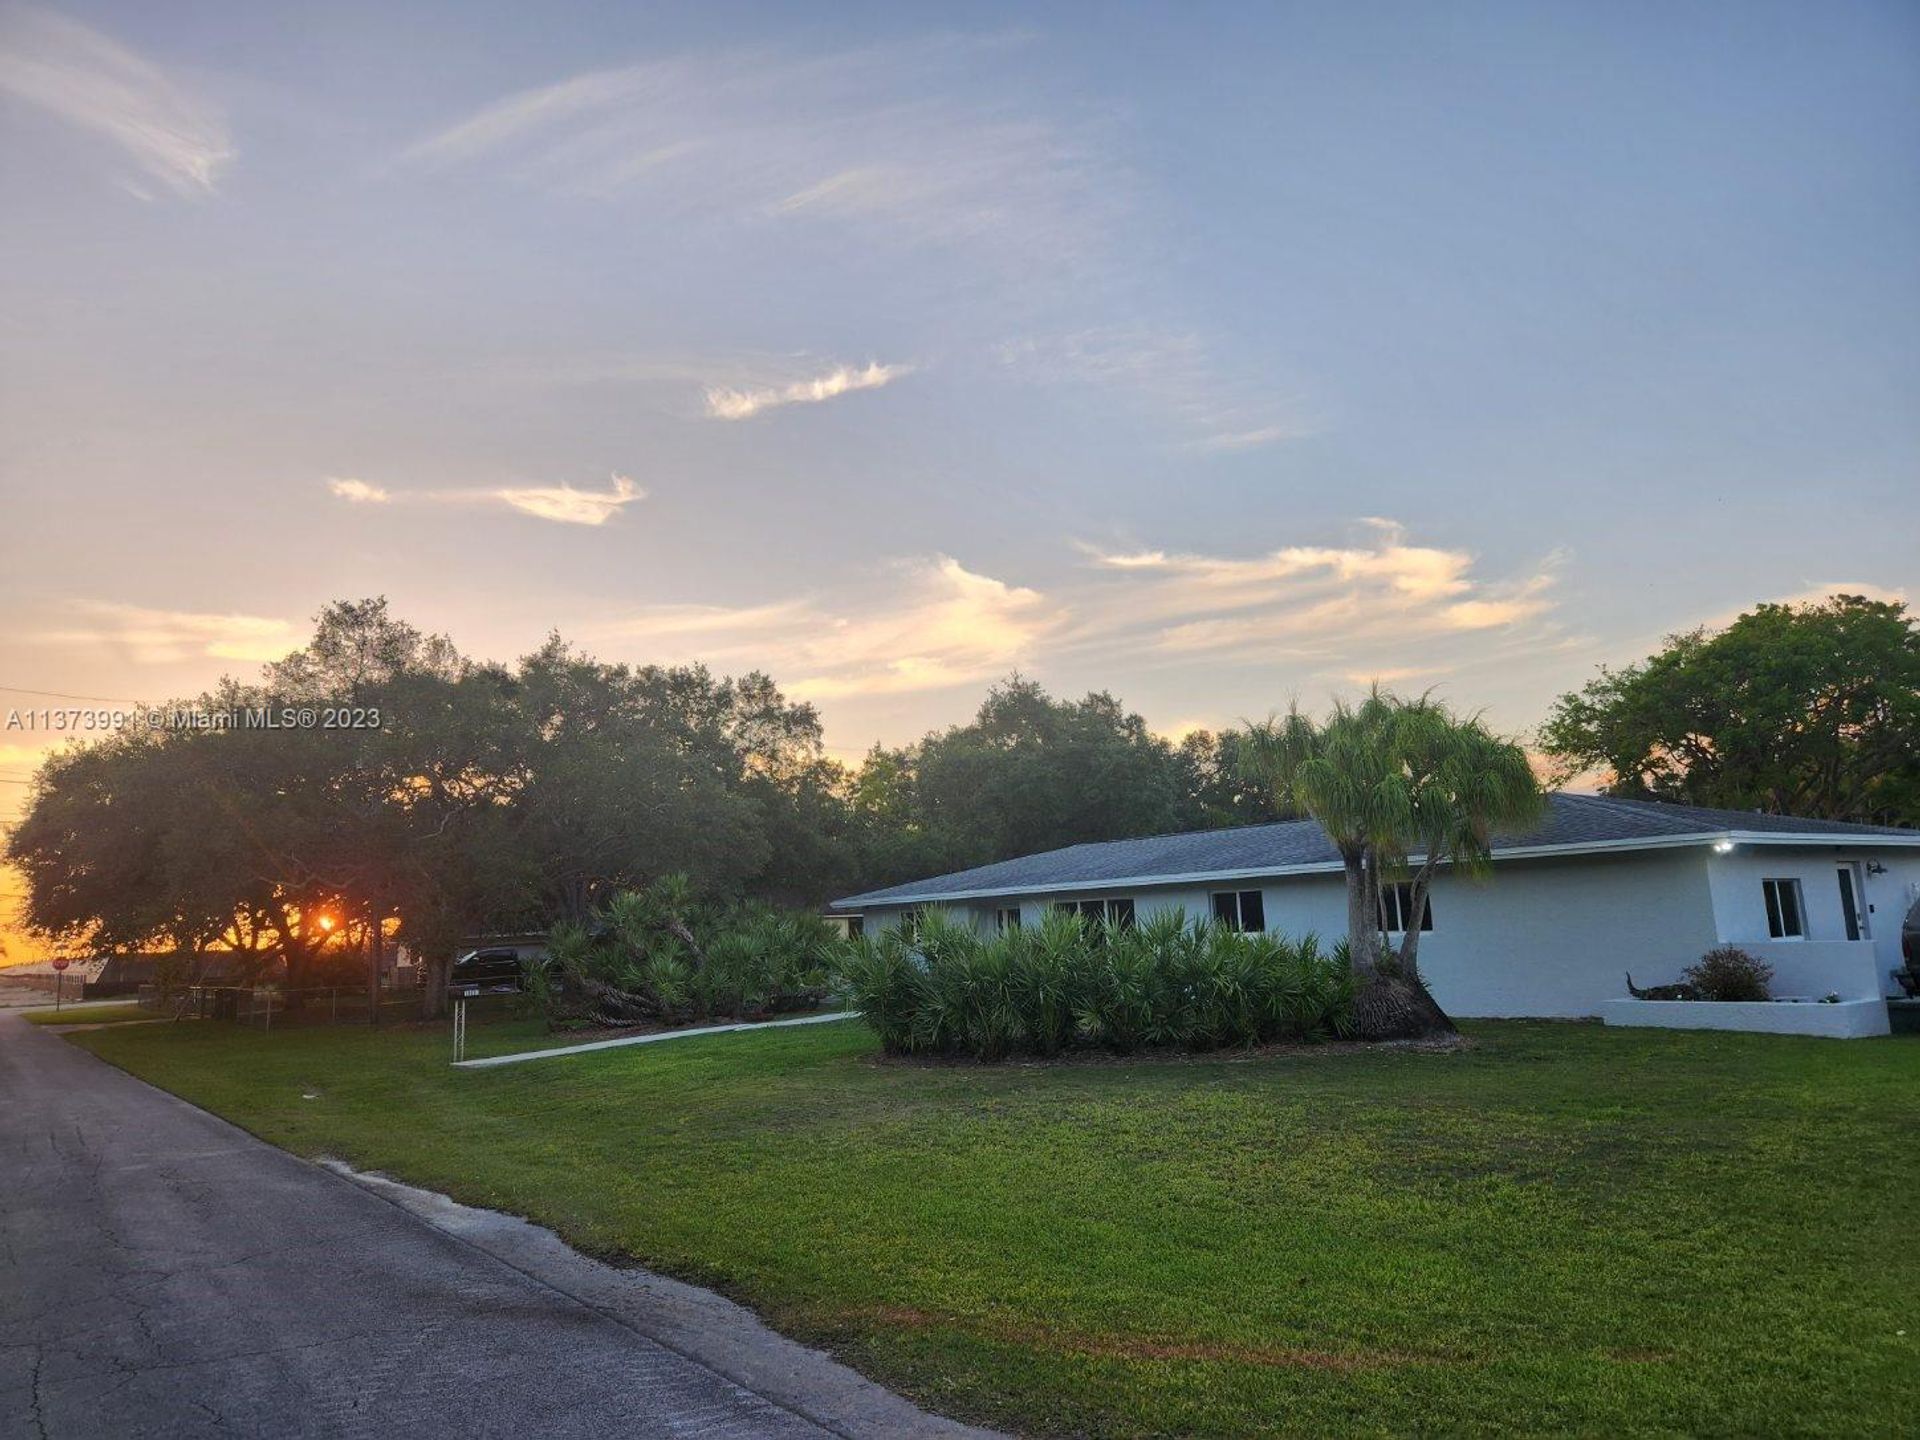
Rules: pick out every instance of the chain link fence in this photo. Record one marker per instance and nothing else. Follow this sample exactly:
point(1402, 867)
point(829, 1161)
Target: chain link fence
point(267, 1008)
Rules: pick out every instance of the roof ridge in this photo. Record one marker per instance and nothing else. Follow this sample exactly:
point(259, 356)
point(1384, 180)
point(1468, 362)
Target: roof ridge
point(1575, 823)
point(1199, 830)
point(1640, 809)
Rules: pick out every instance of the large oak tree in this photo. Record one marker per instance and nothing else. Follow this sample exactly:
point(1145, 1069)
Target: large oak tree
point(1792, 709)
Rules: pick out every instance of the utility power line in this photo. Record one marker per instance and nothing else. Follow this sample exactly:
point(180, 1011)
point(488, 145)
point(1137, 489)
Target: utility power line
point(63, 695)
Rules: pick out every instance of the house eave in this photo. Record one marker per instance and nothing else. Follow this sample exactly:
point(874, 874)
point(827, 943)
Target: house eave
point(1332, 867)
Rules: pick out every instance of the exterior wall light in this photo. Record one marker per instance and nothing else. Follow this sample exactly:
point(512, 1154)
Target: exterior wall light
point(1722, 847)
point(1874, 867)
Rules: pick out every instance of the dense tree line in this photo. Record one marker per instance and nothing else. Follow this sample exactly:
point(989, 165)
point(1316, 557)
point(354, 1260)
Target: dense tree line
point(453, 796)
point(449, 796)
point(500, 797)
point(1031, 773)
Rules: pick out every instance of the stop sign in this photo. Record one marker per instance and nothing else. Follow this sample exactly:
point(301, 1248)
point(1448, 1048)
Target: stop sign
point(60, 965)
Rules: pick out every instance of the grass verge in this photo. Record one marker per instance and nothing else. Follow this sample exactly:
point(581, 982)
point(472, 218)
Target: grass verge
point(89, 1015)
point(1564, 1228)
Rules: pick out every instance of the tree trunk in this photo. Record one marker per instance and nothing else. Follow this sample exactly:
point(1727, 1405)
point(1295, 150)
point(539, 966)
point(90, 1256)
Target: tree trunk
point(1363, 923)
point(677, 928)
point(437, 971)
point(373, 969)
point(1410, 939)
point(1385, 1006)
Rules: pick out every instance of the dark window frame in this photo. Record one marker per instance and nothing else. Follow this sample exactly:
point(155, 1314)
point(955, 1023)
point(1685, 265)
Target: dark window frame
point(1396, 902)
point(1786, 903)
point(1244, 912)
point(1115, 911)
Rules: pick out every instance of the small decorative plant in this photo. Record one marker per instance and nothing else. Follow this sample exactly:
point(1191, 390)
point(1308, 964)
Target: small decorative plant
point(1730, 973)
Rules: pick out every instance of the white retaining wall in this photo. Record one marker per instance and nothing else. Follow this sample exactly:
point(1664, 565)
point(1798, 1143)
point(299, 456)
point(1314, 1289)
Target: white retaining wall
point(1847, 1020)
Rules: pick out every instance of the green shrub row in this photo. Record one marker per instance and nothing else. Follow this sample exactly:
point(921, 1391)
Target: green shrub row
point(1069, 983)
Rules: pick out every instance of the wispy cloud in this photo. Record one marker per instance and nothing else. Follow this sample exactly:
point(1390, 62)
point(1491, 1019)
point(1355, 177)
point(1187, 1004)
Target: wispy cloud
point(563, 504)
point(1176, 372)
point(1819, 594)
point(1383, 608)
point(725, 403)
point(359, 492)
point(1373, 597)
point(935, 625)
point(673, 623)
point(92, 81)
point(1247, 439)
point(952, 144)
point(568, 506)
point(949, 626)
point(919, 141)
point(165, 637)
point(1420, 572)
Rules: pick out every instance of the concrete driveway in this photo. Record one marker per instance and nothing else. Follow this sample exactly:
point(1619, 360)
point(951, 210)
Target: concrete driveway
point(163, 1273)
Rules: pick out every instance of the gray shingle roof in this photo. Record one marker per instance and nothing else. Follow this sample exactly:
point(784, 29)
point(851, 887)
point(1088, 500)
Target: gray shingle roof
point(1571, 821)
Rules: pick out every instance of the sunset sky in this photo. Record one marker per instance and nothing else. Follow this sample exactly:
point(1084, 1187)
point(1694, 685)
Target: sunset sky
point(1216, 355)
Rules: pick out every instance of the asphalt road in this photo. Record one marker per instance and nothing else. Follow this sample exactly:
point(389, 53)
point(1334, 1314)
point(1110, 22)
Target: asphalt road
point(163, 1273)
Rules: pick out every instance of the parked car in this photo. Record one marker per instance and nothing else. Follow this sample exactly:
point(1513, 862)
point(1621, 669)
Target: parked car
point(487, 972)
point(1907, 977)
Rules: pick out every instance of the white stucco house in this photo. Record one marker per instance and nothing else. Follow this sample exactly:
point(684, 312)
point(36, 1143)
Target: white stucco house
point(1600, 888)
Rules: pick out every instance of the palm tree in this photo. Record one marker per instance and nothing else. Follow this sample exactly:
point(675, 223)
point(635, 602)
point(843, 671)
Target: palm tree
point(1390, 780)
point(1464, 786)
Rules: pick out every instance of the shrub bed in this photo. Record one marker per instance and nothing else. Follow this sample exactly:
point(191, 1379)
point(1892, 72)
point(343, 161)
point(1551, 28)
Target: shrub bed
point(661, 956)
point(1068, 983)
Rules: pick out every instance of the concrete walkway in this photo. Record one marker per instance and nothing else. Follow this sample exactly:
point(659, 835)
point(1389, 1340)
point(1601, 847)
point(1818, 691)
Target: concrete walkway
point(649, 1039)
point(162, 1273)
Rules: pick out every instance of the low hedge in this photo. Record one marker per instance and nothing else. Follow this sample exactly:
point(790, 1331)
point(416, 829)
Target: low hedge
point(1069, 983)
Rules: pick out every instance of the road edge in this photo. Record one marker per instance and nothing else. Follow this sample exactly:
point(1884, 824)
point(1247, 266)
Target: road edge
point(695, 1323)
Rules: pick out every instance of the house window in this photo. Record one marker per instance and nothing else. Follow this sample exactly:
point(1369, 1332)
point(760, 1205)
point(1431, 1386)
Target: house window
point(1396, 908)
point(1244, 911)
point(1007, 919)
point(1786, 909)
point(1117, 912)
point(856, 926)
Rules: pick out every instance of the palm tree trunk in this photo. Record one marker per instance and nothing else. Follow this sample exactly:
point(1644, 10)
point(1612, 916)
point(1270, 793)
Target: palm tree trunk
point(1410, 938)
point(1363, 922)
point(1385, 1006)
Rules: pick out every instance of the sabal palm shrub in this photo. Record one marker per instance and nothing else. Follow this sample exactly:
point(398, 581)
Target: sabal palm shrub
point(659, 955)
point(883, 979)
point(1067, 983)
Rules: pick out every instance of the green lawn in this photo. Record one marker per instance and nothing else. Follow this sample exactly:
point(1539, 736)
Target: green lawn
point(1564, 1229)
point(89, 1014)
